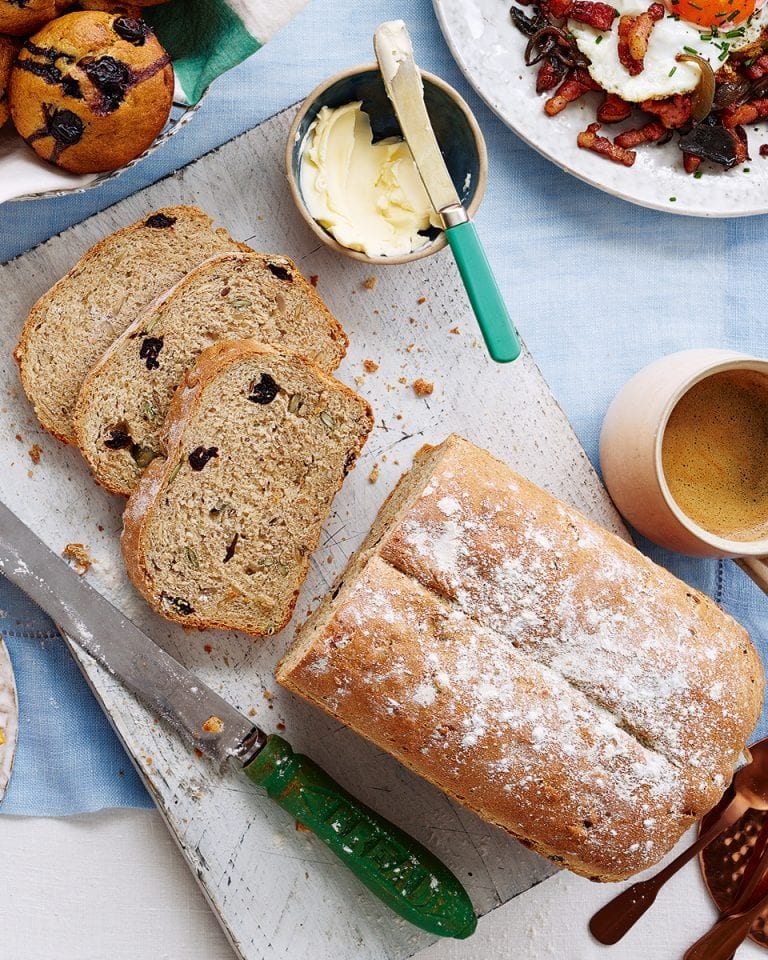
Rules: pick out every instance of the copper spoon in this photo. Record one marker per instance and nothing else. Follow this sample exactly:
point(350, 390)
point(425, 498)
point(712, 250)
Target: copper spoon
point(722, 939)
point(750, 786)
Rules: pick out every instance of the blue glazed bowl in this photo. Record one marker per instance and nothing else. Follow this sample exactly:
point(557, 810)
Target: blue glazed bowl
point(456, 128)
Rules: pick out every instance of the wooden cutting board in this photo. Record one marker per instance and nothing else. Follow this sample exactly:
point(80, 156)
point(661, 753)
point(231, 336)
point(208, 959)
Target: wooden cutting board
point(277, 891)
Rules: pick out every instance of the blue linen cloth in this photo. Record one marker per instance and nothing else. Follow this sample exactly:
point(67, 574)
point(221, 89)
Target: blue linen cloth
point(598, 287)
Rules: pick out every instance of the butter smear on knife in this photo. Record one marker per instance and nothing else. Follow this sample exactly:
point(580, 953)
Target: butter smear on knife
point(369, 196)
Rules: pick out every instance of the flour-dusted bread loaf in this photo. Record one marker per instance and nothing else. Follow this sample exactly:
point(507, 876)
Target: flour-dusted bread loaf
point(234, 296)
point(71, 326)
point(537, 668)
point(259, 441)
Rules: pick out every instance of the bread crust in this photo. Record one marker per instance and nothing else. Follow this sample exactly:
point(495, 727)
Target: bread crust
point(60, 425)
point(85, 398)
point(143, 501)
point(584, 699)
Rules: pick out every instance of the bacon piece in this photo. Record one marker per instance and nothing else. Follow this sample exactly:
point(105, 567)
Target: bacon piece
point(559, 8)
point(549, 75)
point(589, 140)
point(613, 109)
point(746, 113)
point(649, 133)
point(673, 112)
point(758, 69)
point(593, 13)
point(690, 163)
point(634, 34)
point(573, 87)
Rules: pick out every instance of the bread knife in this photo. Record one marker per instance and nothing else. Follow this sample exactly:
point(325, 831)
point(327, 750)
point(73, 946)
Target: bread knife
point(395, 867)
point(402, 80)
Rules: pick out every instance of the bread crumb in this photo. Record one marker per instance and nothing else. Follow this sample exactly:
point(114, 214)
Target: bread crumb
point(301, 828)
point(403, 380)
point(280, 726)
point(35, 452)
point(370, 283)
point(454, 330)
point(421, 300)
point(373, 476)
point(410, 347)
point(314, 279)
point(208, 648)
point(213, 725)
point(252, 712)
point(360, 380)
point(20, 438)
point(77, 554)
point(370, 366)
point(423, 388)
point(268, 695)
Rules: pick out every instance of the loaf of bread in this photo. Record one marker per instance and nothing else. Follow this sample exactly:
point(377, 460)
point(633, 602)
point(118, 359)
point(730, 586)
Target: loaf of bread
point(233, 296)
point(537, 668)
point(258, 444)
point(71, 326)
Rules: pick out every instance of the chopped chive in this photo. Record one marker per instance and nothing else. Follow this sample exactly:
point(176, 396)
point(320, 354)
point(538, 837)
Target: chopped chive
point(599, 38)
point(733, 16)
point(735, 33)
point(723, 56)
point(672, 199)
point(746, 169)
point(697, 175)
point(672, 72)
point(691, 50)
point(706, 36)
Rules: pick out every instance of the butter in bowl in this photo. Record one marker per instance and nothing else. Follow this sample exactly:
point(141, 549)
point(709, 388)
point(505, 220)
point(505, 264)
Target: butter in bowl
point(354, 180)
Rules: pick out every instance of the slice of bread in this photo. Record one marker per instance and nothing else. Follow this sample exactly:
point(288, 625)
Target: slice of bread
point(234, 296)
point(258, 442)
point(71, 326)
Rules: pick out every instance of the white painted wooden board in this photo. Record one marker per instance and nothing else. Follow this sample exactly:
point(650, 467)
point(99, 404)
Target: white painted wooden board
point(278, 892)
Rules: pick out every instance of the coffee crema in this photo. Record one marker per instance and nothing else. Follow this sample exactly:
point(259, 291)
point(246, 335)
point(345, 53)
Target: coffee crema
point(715, 454)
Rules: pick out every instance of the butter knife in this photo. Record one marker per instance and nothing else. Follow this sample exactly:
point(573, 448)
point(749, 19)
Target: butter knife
point(395, 867)
point(402, 80)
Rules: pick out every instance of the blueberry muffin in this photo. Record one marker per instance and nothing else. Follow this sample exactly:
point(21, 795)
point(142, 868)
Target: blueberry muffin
point(91, 90)
point(130, 7)
point(8, 50)
point(19, 18)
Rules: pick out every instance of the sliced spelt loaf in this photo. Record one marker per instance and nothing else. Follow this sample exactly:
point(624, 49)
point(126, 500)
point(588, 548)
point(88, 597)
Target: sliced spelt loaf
point(258, 442)
point(234, 296)
point(71, 326)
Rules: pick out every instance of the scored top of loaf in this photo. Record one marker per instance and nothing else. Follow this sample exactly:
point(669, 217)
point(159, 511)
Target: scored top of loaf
point(71, 325)
point(640, 691)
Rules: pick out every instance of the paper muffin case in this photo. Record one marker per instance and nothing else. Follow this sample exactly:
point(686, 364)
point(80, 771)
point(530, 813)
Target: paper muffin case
point(205, 39)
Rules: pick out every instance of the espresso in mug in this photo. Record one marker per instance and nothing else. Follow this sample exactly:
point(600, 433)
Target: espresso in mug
point(715, 454)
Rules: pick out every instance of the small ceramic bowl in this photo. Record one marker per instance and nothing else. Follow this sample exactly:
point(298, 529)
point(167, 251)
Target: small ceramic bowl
point(455, 126)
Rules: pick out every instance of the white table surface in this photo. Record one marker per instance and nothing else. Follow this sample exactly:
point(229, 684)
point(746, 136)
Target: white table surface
point(112, 886)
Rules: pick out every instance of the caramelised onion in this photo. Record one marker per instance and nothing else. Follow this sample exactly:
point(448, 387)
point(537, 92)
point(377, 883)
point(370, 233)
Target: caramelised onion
point(704, 94)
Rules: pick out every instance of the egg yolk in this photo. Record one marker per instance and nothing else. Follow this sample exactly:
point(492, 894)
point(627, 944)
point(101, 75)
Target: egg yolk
point(712, 13)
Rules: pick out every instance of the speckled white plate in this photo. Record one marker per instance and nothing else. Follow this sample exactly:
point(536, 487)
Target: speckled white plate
point(489, 50)
point(9, 718)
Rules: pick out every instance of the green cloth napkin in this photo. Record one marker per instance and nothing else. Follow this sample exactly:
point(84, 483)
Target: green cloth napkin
point(205, 38)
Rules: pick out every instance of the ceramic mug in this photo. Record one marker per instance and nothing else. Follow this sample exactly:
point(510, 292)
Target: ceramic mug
point(631, 457)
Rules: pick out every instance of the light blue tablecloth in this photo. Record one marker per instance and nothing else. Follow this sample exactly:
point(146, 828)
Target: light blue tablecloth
point(598, 287)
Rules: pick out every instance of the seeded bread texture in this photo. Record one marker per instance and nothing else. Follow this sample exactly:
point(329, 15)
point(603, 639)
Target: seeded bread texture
point(234, 296)
point(70, 327)
point(533, 665)
point(258, 443)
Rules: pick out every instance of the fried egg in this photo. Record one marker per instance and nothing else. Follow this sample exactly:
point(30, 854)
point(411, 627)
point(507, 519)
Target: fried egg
point(662, 76)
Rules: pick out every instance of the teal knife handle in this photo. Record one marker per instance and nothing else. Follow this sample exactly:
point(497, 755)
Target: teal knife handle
point(395, 867)
point(484, 293)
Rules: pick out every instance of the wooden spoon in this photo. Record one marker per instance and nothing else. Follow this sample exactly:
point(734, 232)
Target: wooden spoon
point(750, 792)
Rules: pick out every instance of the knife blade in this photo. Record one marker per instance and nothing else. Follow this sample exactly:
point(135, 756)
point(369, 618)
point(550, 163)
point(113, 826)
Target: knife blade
point(396, 868)
point(405, 89)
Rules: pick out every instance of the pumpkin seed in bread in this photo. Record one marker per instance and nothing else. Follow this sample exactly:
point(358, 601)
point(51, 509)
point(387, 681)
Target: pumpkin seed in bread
point(233, 296)
point(90, 94)
point(258, 443)
point(70, 327)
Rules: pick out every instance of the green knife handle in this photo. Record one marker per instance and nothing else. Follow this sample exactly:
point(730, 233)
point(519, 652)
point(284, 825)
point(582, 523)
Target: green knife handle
point(484, 293)
point(394, 866)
